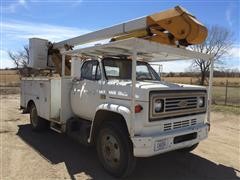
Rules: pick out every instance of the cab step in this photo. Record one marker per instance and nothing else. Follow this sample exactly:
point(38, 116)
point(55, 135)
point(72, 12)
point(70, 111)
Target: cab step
point(56, 127)
point(79, 130)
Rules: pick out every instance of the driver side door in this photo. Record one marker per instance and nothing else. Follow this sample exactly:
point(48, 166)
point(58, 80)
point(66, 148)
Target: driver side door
point(85, 93)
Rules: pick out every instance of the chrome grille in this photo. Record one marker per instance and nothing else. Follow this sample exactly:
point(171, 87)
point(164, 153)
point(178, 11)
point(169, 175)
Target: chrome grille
point(179, 124)
point(167, 126)
point(177, 103)
point(193, 122)
point(174, 104)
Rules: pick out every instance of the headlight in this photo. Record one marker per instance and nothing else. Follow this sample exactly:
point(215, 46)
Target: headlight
point(201, 102)
point(158, 105)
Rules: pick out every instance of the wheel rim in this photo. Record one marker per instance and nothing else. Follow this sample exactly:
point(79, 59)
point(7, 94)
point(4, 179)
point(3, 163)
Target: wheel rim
point(33, 117)
point(110, 150)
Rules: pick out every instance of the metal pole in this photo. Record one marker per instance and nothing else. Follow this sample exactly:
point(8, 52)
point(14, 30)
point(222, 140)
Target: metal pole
point(63, 65)
point(226, 92)
point(210, 89)
point(134, 63)
point(159, 70)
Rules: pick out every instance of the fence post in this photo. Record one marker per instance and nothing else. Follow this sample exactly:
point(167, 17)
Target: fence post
point(226, 92)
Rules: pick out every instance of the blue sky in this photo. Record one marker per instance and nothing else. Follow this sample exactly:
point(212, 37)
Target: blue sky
point(57, 20)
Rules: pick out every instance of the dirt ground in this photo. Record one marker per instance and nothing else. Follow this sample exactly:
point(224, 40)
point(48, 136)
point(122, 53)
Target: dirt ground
point(49, 155)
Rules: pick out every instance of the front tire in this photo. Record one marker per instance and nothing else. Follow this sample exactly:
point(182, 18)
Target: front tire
point(115, 149)
point(38, 123)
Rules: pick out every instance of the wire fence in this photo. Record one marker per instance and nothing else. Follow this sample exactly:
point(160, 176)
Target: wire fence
point(226, 95)
point(226, 91)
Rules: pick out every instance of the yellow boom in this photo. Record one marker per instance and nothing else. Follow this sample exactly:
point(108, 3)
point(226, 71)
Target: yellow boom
point(174, 26)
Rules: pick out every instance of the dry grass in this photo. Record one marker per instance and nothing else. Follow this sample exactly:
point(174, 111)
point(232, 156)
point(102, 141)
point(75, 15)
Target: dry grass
point(9, 78)
point(12, 78)
point(217, 81)
point(226, 109)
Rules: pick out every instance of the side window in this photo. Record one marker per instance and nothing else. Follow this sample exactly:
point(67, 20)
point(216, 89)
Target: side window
point(143, 72)
point(90, 70)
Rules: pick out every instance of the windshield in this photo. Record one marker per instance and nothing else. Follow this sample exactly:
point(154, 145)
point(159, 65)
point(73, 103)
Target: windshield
point(122, 69)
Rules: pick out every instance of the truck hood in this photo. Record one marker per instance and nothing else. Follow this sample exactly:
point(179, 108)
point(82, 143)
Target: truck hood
point(122, 88)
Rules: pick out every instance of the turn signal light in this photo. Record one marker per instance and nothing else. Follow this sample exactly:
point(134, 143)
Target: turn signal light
point(138, 108)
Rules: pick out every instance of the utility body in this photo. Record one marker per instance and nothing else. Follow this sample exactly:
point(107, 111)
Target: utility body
point(115, 100)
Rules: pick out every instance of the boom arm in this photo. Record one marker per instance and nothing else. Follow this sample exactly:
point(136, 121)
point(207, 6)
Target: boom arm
point(172, 27)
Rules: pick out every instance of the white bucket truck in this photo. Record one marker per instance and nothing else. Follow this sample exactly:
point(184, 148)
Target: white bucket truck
point(114, 99)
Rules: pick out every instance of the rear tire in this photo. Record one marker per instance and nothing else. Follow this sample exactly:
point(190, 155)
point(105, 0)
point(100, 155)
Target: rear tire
point(38, 123)
point(188, 149)
point(115, 149)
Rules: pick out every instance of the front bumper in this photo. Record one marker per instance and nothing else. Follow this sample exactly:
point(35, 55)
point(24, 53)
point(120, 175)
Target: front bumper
point(150, 146)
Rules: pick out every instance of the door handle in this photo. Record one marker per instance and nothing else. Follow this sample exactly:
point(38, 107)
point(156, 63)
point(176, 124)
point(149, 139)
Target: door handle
point(103, 96)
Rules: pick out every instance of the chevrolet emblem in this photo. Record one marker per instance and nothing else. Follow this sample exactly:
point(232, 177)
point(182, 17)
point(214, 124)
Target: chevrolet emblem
point(182, 103)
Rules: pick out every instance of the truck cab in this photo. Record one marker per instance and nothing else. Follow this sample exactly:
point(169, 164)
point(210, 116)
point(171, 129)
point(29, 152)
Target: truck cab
point(161, 108)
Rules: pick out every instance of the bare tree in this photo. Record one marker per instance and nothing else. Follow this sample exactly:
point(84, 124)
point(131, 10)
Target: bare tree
point(20, 58)
point(218, 43)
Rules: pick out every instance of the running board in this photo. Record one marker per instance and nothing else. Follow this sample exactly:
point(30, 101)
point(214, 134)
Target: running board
point(56, 127)
point(79, 130)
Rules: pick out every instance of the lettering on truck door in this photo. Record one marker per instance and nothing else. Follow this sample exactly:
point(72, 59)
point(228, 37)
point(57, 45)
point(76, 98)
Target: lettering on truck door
point(85, 92)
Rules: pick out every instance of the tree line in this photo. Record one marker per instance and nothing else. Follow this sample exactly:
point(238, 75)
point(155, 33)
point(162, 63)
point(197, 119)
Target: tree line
point(217, 73)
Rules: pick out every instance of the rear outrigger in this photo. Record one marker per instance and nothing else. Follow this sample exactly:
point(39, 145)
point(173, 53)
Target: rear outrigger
point(108, 95)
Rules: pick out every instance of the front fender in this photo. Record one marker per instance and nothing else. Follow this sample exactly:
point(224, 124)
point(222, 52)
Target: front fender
point(122, 110)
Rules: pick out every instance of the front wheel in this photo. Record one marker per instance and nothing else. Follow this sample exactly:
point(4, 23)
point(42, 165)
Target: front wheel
point(38, 123)
point(115, 150)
